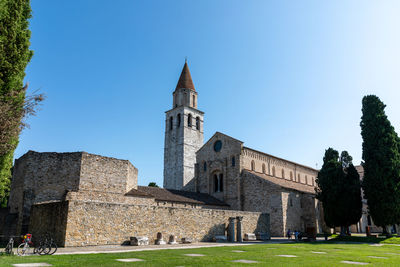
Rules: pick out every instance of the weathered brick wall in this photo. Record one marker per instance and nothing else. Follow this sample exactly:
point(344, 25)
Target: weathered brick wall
point(91, 223)
point(49, 218)
point(106, 174)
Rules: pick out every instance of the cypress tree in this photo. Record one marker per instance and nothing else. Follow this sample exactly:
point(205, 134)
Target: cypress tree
point(14, 57)
point(381, 158)
point(339, 190)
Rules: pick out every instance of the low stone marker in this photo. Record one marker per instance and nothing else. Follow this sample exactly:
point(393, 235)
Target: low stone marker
point(139, 240)
point(129, 260)
point(160, 240)
point(186, 240)
point(220, 239)
point(238, 251)
point(263, 236)
point(194, 255)
point(37, 264)
point(245, 261)
point(287, 256)
point(355, 262)
point(318, 252)
point(376, 257)
point(250, 237)
point(172, 240)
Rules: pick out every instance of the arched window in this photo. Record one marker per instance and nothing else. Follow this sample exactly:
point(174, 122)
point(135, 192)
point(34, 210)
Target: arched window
point(190, 120)
point(263, 168)
point(273, 170)
point(197, 123)
point(253, 165)
point(194, 101)
point(291, 176)
point(233, 161)
point(179, 120)
point(218, 182)
point(283, 173)
point(171, 123)
point(205, 166)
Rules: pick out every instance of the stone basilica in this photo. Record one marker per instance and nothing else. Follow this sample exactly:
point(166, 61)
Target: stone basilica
point(87, 199)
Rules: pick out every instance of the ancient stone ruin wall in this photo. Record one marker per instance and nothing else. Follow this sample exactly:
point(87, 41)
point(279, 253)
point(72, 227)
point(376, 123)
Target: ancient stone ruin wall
point(95, 223)
point(106, 174)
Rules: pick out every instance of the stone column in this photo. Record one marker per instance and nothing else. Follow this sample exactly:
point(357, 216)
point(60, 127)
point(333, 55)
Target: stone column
point(239, 237)
point(231, 229)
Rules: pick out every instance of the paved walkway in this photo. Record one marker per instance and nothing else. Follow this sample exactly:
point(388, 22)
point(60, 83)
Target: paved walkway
point(119, 249)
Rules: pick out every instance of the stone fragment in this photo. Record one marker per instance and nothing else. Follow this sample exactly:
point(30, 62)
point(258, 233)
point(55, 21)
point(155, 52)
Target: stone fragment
point(37, 264)
point(129, 260)
point(220, 238)
point(245, 261)
point(159, 240)
point(318, 252)
point(187, 240)
point(194, 255)
point(250, 237)
point(238, 251)
point(376, 257)
point(376, 245)
point(139, 240)
point(172, 240)
point(355, 262)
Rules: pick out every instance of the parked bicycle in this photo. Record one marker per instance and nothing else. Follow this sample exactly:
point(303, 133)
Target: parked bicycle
point(10, 246)
point(46, 246)
point(26, 247)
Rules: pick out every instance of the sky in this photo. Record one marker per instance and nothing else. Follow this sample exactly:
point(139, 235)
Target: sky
point(285, 77)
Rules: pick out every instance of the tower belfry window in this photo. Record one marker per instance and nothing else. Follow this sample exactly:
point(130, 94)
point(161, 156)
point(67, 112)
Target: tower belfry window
point(171, 123)
point(189, 120)
point(197, 123)
point(179, 120)
point(194, 101)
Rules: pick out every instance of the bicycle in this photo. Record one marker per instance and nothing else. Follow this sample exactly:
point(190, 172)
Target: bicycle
point(26, 247)
point(10, 246)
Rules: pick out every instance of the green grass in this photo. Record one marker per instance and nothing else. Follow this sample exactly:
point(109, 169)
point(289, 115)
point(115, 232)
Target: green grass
point(222, 256)
point(365, 239)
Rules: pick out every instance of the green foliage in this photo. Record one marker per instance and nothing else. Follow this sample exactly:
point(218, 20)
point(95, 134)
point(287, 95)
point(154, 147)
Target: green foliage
point(14, 57)
point(339, 189)
point(153, 184)
point(381, 158)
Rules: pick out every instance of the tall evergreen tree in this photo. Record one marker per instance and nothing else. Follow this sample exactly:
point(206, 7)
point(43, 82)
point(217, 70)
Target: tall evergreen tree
point(14, 57)
point(339, 190)
point(381, 158)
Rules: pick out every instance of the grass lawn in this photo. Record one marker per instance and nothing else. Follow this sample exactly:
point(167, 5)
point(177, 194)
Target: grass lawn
point(265, 255)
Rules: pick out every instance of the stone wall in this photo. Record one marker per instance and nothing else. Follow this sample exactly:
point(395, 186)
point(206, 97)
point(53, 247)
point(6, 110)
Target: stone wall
point(95, 223)
point(106, 174)
point(49, 218)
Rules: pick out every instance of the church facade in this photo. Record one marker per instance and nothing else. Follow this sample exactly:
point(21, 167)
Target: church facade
point(245, 179)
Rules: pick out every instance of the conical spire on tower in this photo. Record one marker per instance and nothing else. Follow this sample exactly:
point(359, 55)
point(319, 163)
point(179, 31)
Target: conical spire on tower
point(185, 80)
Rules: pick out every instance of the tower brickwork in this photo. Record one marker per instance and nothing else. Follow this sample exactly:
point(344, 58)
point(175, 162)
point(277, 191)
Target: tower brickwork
point(183, 134)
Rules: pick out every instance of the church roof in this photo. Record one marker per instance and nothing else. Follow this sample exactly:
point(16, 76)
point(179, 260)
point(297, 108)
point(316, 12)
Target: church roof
point(162, 194)
point(185, 80)
point(284, 183)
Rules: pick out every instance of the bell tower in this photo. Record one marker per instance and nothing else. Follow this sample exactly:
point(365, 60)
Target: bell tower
point(183, 134)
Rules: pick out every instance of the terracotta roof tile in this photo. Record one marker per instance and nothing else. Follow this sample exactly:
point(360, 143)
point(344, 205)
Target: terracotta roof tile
point(185, 80)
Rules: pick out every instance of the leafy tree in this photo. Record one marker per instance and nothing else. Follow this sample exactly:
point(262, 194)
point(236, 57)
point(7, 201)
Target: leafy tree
point(339, 190)
point(381, 158)
point(14, 57)
point(153, 184)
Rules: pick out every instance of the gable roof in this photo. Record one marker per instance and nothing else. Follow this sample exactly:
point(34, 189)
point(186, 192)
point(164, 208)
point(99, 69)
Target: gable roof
point(218, 133)
point(162, 194)
point(283, 182)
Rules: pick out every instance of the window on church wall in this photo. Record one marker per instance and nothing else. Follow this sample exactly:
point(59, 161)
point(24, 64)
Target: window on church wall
point(273, 170)
point(263, 168)
point(306, 181)
point(179, 120)
point(233, 161)
point(312, 181)
point(290, 202)
point(205, 166)
point(218, 182)
point(291, 176)
point(197, 123)
point(283, 174)
point(215, 183)
point(298, 178)
point(253, 165)
point(190, 120)
point(171, 123)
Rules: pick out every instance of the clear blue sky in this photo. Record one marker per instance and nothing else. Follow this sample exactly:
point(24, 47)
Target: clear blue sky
point(285, 77)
